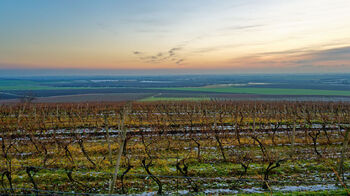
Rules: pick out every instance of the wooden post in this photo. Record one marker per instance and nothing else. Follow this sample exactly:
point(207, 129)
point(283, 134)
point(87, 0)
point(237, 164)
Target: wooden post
point(120, 152)
point(254, 116)
point(293, 133)
point(108, 140)
point(343, 154)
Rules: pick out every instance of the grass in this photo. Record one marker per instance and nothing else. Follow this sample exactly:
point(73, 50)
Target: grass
point(262, 91)
point(47, 150)
point(309, 193)
point(209, 166)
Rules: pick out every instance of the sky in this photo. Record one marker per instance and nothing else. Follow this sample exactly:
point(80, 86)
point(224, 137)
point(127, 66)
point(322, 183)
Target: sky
point(211, 36)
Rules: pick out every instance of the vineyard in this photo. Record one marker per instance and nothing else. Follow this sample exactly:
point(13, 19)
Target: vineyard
point(175, 147)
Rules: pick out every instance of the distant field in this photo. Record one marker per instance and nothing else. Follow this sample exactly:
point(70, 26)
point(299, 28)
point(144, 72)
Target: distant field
point(264, 91)
point(177, 88)
point(108, 97)
point(175, 99)
point(32, 85)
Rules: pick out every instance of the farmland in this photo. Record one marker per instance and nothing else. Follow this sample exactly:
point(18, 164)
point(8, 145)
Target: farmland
point(175, 147)
point(155, 98)
point(186, 97)
point(177, 87)
point(264, 91)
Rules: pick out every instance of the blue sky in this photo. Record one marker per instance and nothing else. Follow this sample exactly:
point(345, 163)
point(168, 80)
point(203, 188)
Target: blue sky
point(241, 36)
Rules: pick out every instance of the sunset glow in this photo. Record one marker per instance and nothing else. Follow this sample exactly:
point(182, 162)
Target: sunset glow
point(246, 36)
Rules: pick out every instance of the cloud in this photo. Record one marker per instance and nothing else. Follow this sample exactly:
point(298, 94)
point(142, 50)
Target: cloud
point(242, 27)
point(107, 28)
point(331, 54)
point(179, 62)
point(151, 21)
point(303, 59)
point(170, 55)
point(289, 52)
point(173, 50)
point(329, 57)
point(214, 48)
